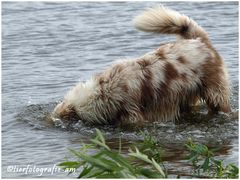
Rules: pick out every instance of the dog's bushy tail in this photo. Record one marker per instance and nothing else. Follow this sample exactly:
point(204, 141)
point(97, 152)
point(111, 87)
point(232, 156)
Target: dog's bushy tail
point(166, 21)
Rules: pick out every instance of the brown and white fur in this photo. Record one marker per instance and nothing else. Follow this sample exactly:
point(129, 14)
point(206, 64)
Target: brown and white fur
point(157, 86)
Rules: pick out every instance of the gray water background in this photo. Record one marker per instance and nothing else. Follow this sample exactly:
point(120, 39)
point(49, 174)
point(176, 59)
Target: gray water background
point(48, 47)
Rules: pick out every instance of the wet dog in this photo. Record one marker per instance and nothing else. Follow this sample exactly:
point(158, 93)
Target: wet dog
point(158, 86)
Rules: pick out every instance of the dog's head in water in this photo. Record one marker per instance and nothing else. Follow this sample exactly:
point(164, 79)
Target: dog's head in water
point(65, 112)
point(75, 105)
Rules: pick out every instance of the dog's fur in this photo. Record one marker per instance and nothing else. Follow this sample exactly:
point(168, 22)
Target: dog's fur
point(157, 86)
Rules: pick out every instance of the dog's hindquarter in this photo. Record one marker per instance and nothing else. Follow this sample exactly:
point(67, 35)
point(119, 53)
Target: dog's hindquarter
point(215, 91)
point(180, 65)
point(155, 87)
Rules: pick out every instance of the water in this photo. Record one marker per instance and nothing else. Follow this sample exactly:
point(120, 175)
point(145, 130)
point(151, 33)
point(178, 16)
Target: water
point(48, 47)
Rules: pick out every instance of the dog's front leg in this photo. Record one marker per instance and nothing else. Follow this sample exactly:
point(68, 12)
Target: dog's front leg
point(134, 119)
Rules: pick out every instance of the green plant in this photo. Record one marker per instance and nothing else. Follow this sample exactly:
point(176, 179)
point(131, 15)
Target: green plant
point(98, 160)
point(205, 165)
point(106, 163)
point(150, 147)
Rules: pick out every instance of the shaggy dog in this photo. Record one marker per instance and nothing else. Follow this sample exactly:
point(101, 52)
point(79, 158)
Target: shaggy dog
point(158, 86)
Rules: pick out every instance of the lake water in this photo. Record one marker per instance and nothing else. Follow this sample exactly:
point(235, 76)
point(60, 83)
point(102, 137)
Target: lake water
point(48, 47)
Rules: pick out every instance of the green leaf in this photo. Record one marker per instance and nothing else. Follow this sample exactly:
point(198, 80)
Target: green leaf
point(96, 174)
point(200, 149)
point(85, 171)
point(158, 167)
point(126, 174)
point(100, 136)
point(75, 153)
point(107, 176)
point(149, 173)
point(99, 154)
point(194, 159)
point(205, 165)
point(69, 164)
point(140, 156)
point(191, 148)
point(118, 158)
point(114, 166)
point(120, 145)
point(94, 161)
point(217, 162)
point(232, 171)
point(95, 141)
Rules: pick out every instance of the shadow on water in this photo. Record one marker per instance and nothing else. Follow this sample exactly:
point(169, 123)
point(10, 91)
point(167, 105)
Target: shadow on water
point(220, 131)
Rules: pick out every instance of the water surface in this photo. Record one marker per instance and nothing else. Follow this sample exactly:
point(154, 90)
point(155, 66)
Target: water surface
point(48, 47)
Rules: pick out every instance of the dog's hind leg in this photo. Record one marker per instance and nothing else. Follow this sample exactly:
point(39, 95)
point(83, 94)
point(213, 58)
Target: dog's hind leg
point(217, 99)
point(215, 86)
